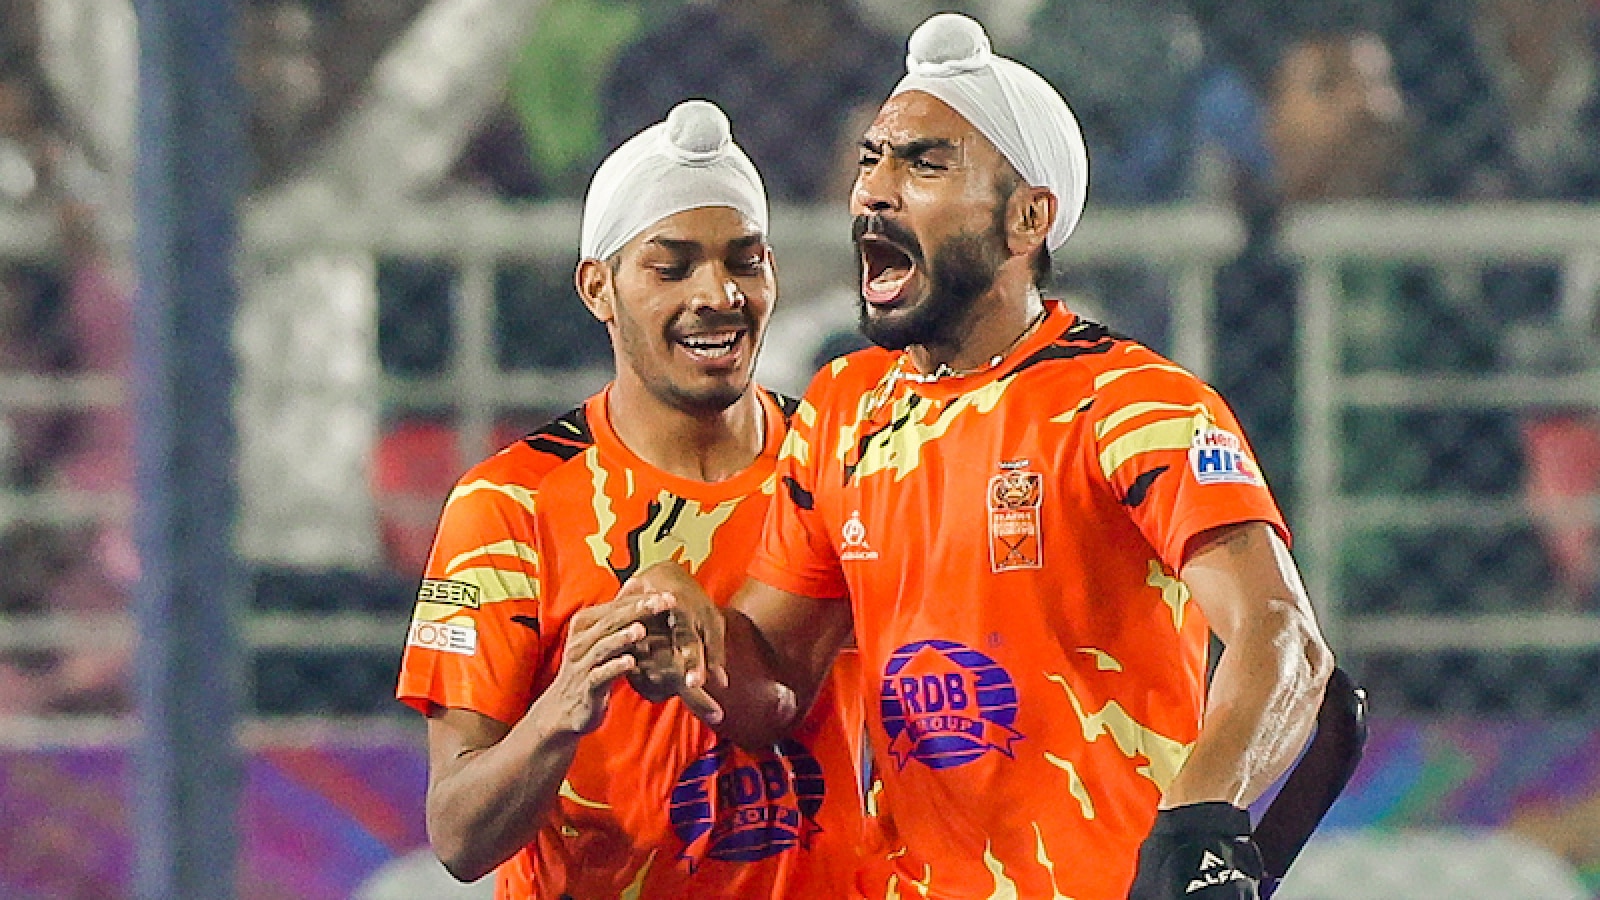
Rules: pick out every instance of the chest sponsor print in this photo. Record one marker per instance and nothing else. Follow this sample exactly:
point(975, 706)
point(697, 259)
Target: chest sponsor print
point(734, 806)
point(945, 705)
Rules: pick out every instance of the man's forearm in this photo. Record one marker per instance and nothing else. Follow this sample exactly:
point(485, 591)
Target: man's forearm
point(759, 709)
point(1261, 709)
point(492, 800)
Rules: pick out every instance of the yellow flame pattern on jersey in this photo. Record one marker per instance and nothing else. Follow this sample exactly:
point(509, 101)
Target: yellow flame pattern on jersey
point(1067, 417)
point(605, 519)
point(892, 889)
point(1110, 375)
point(518, 549)
point(1174, 593)
point(635, 888)
point(1004, 887)
point(688, 541)
point(428, 611)
point(1166, 434)
point(900, 448)
point(517, 492)
point(1103, 661)
point(1075, 785)
point(1043, 856)
point(796, 447)
point(1164, 756)
point(1134, 410)
point(568, 792)
point(496, 585)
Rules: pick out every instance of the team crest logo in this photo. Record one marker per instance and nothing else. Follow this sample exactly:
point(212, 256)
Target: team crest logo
point(738, 807)
point(946, 705)
point(1014, 521)
point(853, 540)
point(1218, 457)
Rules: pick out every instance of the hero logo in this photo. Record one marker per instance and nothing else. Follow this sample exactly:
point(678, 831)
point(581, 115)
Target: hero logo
point(450, 638)
point(736, 806)
point(946, 705)
point(1218, 457)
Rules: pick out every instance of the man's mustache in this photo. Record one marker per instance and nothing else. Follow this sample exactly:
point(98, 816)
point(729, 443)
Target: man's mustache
point(881, 226)
point(704, 320)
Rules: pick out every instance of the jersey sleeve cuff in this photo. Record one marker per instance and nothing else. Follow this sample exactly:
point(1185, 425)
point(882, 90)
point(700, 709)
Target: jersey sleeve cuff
point(1178, 548)
point(817, 586)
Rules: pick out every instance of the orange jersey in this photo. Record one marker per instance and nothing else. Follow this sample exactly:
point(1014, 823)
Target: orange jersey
point(654, 805)
point(1033, 669)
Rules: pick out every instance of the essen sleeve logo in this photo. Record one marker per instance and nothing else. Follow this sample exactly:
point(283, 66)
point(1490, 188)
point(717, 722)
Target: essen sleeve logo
point(455, 593)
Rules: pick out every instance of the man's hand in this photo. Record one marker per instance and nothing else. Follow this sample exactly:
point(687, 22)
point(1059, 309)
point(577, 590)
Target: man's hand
point(599, 641)
point(681, 651)
point(1202, 851)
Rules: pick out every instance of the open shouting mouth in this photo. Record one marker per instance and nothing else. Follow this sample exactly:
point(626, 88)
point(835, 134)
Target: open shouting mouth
point(886, 269)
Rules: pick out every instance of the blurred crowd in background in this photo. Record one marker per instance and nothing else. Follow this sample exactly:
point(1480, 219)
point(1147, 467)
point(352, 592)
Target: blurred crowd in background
point(1254, 105)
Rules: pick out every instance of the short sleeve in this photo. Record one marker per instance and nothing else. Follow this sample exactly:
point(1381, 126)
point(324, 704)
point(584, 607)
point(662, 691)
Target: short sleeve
point(796, 553)
point(476, 639)
point(1176, 459)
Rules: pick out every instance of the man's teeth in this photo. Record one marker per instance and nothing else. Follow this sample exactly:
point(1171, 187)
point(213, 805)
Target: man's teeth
point(711, 345)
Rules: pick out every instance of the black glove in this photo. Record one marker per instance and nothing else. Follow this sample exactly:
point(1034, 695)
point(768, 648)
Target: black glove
point(1199, 852)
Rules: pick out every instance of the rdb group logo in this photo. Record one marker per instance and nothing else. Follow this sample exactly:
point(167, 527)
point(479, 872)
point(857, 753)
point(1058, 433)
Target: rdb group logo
point(945, 705)
point(735, 806)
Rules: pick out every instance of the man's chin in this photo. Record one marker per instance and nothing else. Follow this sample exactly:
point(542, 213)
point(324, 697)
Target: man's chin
point(710, 395)
point(892, 327)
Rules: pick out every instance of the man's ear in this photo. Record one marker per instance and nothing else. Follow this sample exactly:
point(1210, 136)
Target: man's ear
point(1029, 213)
point(597, 288)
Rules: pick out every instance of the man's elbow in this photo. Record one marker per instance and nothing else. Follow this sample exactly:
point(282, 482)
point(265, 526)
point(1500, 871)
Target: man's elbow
point(455, 851)
point(460, 865)
point(1306, 655)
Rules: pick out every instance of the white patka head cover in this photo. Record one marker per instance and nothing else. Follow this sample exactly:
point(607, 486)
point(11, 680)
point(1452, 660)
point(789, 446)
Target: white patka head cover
point(686, 162)
point(1019, 112)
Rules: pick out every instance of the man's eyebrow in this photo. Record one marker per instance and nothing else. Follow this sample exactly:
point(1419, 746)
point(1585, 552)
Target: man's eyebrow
point(676, 245)
point(910, 149)
point(748, 241)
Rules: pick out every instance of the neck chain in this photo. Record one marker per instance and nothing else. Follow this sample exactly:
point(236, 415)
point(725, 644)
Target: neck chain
point(944, 371)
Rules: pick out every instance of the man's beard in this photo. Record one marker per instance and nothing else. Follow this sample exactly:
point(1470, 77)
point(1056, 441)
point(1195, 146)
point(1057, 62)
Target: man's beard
point(958, 273)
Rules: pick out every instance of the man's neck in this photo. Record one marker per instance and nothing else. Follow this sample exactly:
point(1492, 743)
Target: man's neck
point(709, 447)
point(999, 322)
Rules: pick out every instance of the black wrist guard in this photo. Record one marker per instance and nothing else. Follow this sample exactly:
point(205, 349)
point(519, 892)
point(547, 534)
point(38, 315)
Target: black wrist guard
point(1199, 852)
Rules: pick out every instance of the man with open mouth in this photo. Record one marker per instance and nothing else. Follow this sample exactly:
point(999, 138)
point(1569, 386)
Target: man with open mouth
point(543, 763)
point(1031, 525)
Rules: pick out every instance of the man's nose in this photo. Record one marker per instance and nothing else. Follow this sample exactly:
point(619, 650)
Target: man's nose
point(875, 189)
point(721, 293)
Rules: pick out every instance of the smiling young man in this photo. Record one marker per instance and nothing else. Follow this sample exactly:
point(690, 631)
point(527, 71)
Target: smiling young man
point(1031, 525)
point(542, 762)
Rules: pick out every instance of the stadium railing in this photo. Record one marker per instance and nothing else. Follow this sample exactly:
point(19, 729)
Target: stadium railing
point(1188, 244)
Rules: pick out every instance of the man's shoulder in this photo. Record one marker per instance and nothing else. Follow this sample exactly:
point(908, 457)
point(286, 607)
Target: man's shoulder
point(527, 462)
point(1099, 359)
point(850, 375)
